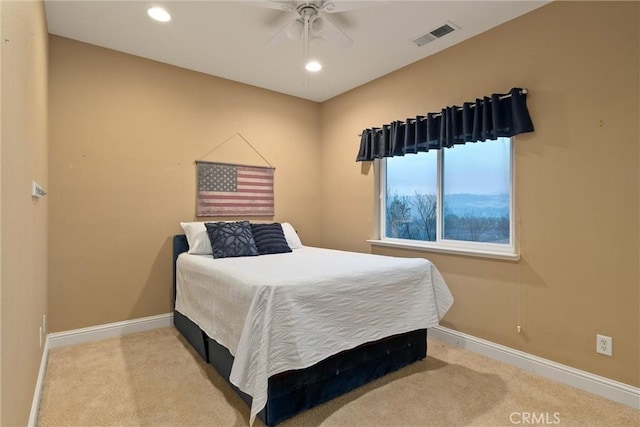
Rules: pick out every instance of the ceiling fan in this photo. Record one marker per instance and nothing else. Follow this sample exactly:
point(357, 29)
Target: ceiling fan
point(312, 22)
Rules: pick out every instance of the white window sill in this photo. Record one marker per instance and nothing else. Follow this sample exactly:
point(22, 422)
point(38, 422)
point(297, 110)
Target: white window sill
point(445, 250)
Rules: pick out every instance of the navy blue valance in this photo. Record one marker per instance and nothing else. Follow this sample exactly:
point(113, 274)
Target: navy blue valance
point(501, 115)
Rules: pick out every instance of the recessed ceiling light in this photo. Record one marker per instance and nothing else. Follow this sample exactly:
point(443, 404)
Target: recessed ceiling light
point(313, 66)
point(159, 14)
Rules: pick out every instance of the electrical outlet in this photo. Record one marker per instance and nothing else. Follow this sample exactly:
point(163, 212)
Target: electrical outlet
point(604, 345)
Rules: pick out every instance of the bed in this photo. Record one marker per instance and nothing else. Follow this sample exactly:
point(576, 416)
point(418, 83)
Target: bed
point(285, 346)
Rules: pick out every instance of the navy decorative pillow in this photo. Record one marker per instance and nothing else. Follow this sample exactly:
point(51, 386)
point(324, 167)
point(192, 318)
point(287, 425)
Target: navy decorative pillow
point(270, 239)
point(231, 239)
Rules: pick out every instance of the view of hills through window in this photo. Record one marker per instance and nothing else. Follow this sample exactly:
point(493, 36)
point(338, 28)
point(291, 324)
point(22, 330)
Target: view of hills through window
point(476, 194)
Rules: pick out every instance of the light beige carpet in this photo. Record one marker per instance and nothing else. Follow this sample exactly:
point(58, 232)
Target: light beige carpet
point(154, 378)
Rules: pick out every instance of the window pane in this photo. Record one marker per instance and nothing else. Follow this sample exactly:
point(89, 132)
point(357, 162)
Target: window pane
point(477, 192)
point(410, 203)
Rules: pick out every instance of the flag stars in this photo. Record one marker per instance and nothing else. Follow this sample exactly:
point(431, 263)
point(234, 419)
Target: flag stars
point(217, 178)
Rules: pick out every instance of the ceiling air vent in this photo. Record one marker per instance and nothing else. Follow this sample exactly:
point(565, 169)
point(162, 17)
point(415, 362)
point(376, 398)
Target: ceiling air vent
point(441, 31)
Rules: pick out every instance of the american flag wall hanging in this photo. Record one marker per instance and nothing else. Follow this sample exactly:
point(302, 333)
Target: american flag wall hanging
point(234, 190)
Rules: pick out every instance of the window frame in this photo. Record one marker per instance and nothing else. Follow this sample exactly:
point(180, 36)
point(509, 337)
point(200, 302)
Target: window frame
point(461, 247)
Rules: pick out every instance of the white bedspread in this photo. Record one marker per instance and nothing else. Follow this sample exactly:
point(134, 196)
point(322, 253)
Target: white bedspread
point(289, 311)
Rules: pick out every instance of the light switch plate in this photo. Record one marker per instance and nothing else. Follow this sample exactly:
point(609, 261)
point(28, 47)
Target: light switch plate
point(36, 190)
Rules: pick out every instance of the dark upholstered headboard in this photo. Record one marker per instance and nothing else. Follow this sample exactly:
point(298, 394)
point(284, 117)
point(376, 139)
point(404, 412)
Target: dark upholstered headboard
point(180, 245)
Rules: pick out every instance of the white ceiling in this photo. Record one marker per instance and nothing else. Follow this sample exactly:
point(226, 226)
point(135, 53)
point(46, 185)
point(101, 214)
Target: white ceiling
point(228, 38)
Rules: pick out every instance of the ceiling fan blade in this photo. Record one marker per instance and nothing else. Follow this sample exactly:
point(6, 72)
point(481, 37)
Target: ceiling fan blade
point(335, 35)
point(338, 6)
point(281, 5)
point(291, 31)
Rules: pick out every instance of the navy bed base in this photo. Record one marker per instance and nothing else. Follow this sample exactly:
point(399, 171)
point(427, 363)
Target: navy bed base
point(292, 392)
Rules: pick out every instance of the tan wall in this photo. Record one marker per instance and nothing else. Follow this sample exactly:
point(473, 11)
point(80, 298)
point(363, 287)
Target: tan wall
point(576, 182)
point(23, 285)
point(124, 135)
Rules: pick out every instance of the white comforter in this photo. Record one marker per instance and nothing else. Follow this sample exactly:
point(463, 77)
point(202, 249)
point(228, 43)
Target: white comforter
point(289, 311)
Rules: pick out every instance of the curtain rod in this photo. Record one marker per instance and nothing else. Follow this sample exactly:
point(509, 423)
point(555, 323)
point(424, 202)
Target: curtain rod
point(522, 91)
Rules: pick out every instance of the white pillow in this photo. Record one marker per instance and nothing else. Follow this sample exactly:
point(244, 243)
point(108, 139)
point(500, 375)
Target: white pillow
point(293, 240)
point(197, 237)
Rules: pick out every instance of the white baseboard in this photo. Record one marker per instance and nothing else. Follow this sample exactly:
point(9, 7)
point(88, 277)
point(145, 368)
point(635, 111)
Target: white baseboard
point(601, 386)
point(94, 333)
point(110, 330)
point(35, 403)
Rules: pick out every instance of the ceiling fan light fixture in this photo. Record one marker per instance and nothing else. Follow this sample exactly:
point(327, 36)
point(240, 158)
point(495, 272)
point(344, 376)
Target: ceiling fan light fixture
point(295, 30)
point(313, 66)
point(159, 14)
point(317, 26)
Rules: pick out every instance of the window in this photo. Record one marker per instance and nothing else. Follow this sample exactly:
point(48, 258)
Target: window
point(458, 198)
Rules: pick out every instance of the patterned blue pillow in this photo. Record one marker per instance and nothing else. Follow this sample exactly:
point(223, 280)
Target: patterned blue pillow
point(270, 238)
point(231, 239)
